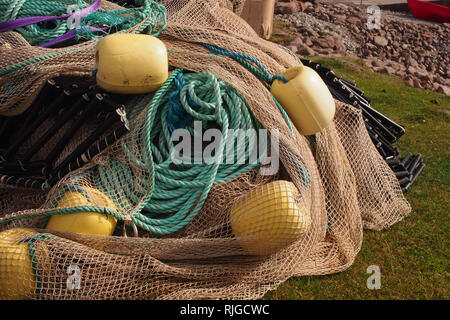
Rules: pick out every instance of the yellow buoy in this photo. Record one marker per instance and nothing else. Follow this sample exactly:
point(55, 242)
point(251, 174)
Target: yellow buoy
point(84, 222)
point(306, 99)
point(269, 218)
point(131, 63)
point(17, 278)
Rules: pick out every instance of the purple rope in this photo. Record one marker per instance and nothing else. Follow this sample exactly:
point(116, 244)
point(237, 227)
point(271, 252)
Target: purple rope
point(22, 22)
point(67, 36)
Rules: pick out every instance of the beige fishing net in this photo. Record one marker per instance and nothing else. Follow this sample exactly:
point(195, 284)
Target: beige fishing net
point(337, 180)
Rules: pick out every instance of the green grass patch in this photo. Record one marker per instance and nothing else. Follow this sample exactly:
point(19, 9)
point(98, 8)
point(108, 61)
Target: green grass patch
point(413, 255)
point(281, 33)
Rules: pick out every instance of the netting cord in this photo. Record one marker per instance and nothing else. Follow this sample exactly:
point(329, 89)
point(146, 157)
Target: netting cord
point(37, 59)
point(34, 261)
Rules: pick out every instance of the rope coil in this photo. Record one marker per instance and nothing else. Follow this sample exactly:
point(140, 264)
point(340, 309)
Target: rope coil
point(151, 17)
point(179, 191)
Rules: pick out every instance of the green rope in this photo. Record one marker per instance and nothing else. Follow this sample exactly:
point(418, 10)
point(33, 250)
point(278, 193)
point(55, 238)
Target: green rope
point(62, 211)
point(260, 73)
point(34, 60)
point(151, 15)
point(34, 261)
point(178, 191)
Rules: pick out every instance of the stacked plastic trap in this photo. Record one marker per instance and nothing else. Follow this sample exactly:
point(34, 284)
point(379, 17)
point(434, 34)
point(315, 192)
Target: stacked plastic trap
point(383, 131)
point(50, 139)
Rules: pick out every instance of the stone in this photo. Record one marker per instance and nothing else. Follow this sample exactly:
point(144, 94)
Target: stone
point(342, 6)
point(435, 101)
point(411, 62)
point(422, 75)
point(411, 70)
point(409, 81)
point(380, 41)
point(293, 48)
point(304, 50)
point(417, 83)
point(318, 7)
point(308, 42)
point(310, 31)
point(340, 18)
point(377, 69)
point(286, 7)
point(323, 42)
point(297, 41)
point(376, 63)
point(388, 70)
point(354, 20)
point(304, 5)
point(325, 17)
point(444, 89)
point(414, 51)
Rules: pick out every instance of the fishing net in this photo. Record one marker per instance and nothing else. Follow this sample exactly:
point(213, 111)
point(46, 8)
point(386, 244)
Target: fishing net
point(337, 179)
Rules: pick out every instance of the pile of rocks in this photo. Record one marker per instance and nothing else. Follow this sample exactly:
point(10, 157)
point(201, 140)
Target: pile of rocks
point(415, 50)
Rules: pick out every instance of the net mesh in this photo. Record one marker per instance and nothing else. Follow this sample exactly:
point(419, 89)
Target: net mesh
point(326, 190)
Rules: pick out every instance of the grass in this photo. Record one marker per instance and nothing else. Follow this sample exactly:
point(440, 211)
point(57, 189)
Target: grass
point(413, 254)
point(281, 33)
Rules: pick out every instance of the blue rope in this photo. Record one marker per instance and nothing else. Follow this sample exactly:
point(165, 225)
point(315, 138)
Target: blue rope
point(237, 55)
point(177, 116)
point(279, 77)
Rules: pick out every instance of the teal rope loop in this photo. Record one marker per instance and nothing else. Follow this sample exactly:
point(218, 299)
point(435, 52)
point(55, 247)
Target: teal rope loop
point(76, 209)
point(177, 116)
point(241, 57)
point(151, 14)
point(31, 240)
point(262, 74)
point(178, 191)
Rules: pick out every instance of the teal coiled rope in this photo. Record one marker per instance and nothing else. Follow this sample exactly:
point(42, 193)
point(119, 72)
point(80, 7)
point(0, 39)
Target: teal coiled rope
point(260, 71)
point(151, 16)
point(178, 191)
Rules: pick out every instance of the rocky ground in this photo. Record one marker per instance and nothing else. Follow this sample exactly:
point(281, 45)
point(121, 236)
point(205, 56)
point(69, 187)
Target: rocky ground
point(415, 50)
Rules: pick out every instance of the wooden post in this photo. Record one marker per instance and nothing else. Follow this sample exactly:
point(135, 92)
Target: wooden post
point(259, 15)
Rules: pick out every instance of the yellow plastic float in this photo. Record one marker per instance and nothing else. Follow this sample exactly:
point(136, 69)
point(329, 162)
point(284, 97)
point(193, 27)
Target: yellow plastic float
point(17, 278)
point(131, 63)
point(269, 218)
point(306, 99)
point(84, 222)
